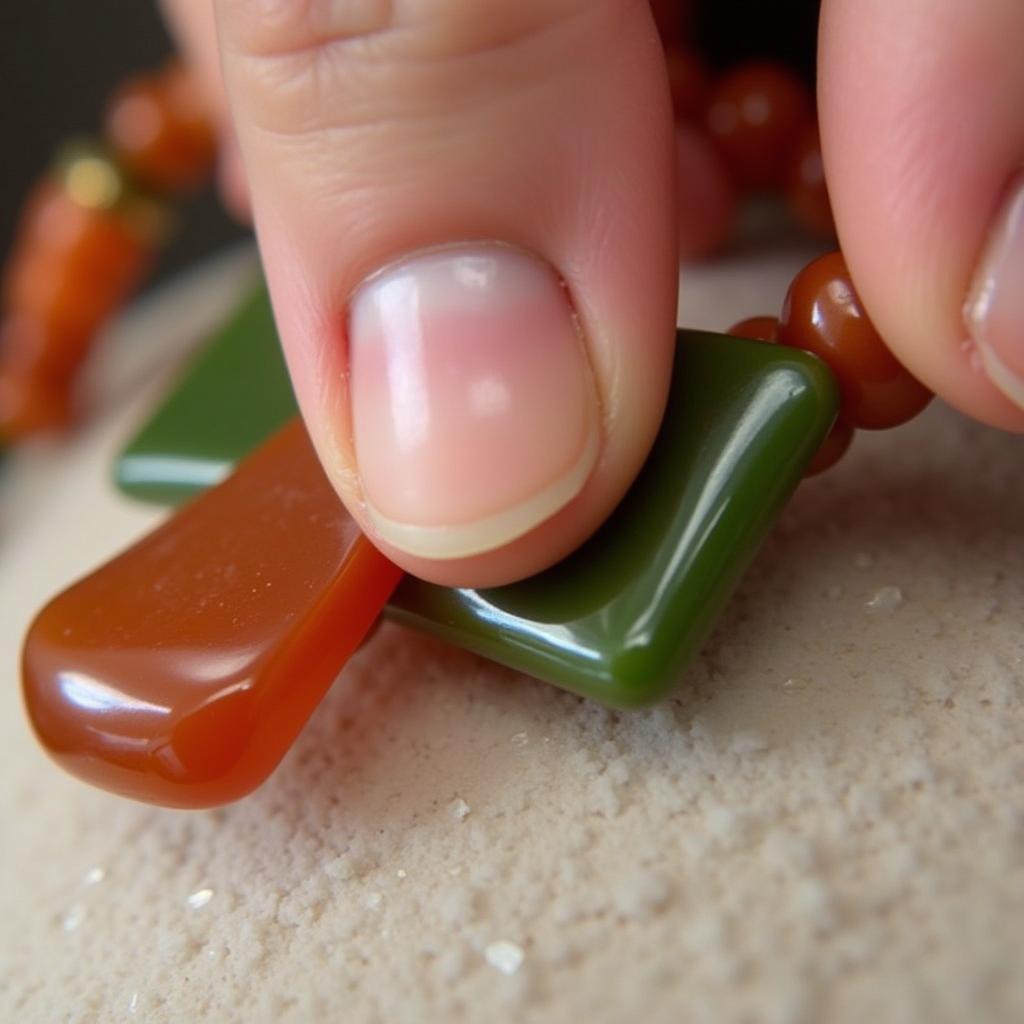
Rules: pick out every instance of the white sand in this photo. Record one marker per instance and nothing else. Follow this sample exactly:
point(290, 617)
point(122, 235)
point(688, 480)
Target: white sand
point(826, 824)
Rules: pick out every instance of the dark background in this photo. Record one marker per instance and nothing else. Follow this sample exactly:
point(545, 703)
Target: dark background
point(59, 59)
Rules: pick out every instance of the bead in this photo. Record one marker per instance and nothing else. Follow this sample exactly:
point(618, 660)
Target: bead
point(617, 620)
point(757, 328)
point(754, 114)
point(804, 185)
point(160, 132)
point(182, 671)
point(72, 267)
point(33, 346)
point(823, 314)
point(30, 404)
point(832, 449)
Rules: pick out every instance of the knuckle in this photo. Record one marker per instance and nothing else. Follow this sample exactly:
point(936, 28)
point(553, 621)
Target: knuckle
point(276, 27)
point(310, 65)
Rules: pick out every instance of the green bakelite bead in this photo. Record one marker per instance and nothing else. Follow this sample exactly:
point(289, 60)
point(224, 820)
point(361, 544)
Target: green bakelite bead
point(232, 397)
point(619, 619)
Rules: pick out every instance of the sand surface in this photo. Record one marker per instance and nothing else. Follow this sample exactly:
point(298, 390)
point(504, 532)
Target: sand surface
point(825, 824)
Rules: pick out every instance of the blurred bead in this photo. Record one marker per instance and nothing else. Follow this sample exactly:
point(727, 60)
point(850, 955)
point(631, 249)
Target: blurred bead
point(688, 81)
point(832, 449)
point(30, 405)
point(757, 328)
point(159, 131)
point(823, 314)
point(33, 346)
point(804, 185)
point(705, 195)
point(81, 284)
point(755, 113)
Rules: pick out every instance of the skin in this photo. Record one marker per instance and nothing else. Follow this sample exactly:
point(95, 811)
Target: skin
point(559, 108)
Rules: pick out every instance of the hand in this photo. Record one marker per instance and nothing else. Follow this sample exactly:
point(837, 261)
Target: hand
point(464, 213)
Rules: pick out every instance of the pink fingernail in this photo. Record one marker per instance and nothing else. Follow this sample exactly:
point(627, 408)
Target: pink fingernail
point(474, 410)
point(995, 307)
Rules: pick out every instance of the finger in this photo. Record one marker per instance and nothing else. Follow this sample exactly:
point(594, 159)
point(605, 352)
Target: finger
point(465, 215)
point(195, 31)
point(922, 116)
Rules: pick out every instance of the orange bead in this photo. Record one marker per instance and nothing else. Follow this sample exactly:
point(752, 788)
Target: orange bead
point(754, 113)
point(832, 449)
point(72, 268)
point(181, 672)
point(32, 346)
point(158, 129)
point(30, 404)
point(688, 81)
point(757, 328)
point(804, 185)
point(824, 315)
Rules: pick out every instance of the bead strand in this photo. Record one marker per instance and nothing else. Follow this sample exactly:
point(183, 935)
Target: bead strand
point(87, 237)
point(758, 126)
point(822, 314)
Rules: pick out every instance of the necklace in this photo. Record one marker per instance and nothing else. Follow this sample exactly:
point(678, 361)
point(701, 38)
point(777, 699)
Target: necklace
point(182, 671)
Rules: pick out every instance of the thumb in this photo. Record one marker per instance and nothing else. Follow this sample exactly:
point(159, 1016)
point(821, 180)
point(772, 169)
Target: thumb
point(465, 215)
point(922, 116)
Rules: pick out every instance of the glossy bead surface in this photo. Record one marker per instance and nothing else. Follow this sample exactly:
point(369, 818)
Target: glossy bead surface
point(157, 126)
point(804, 184)
point(182, 671)
point(756, 328)
point(823, 314)
point(832, 449)
point(618, 620)
point(755, 113)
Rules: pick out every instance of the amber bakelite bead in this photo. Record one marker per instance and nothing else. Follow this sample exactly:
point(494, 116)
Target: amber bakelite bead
point(181, 672)
point(73, 265)
point(159, 130)
point(823, 314)
point(832, 449)
point(757, 328)
point(755, 114)
point(70, 269)
point(31, 404)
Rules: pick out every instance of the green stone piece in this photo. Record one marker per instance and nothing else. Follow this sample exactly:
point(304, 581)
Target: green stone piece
point(233, 396)
point(619, 619)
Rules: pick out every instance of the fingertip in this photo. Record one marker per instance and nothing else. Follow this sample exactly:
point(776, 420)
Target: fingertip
point(921, 132)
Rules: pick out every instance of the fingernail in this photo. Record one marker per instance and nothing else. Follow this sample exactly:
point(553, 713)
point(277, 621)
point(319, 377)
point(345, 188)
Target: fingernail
point(995, 307)
point(474, 410)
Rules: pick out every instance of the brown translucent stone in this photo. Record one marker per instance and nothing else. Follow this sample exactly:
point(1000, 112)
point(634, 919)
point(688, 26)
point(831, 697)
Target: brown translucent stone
point(182, 671)
point(755, 113)
point(31, 404)
point(824, 315)
point(757, 328)
point(159, 130)
point(832, 449)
